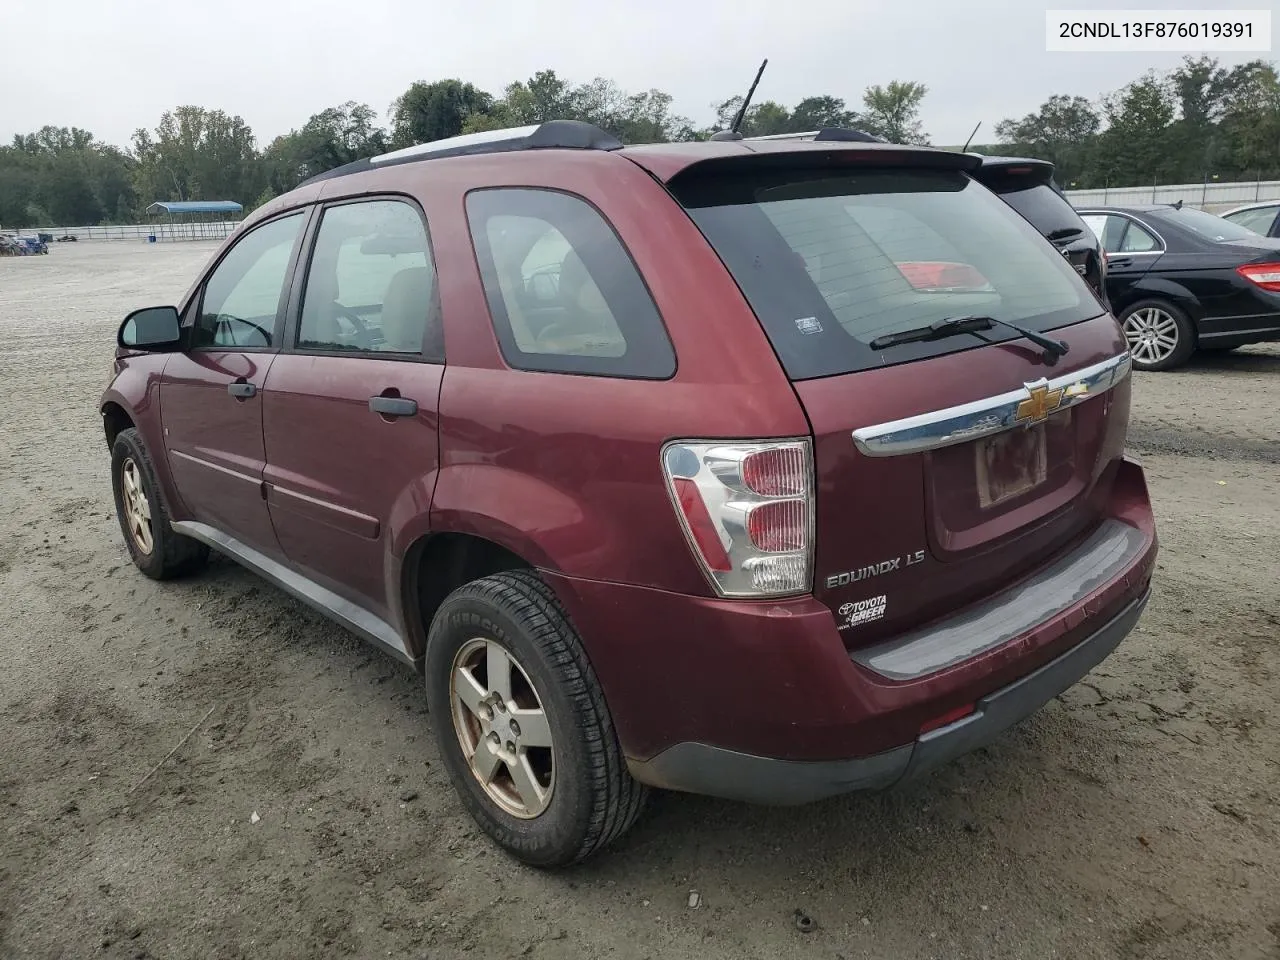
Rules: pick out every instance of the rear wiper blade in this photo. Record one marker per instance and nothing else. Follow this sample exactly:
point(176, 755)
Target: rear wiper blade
point(1066, 233)
point(951, 326)
point(937, 330)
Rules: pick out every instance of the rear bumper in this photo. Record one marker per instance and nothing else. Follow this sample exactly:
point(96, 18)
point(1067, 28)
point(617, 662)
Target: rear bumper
point(713, 695)
point(701, 768)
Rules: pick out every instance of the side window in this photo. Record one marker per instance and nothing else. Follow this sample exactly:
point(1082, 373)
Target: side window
point(242, 295)
point(371, 284)
point(1138, 240)
point(564, 294)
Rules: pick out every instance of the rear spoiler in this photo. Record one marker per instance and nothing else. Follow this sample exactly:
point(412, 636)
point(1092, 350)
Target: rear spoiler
point(826, 133)
point(1003, 174)
point(811, 155)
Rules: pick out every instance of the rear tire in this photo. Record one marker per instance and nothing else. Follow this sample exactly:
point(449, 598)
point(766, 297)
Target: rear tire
point(153, 545)
point(584, 797)
point(1159, 335)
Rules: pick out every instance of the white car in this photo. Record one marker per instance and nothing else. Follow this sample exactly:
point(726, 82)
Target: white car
point(1262, 218)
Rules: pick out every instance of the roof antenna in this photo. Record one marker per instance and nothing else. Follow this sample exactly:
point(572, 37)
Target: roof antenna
point(965, 148)
point(732, 133)
point(742, 111)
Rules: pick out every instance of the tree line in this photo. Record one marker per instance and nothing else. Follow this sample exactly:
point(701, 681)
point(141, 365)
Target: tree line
point(1201, 119)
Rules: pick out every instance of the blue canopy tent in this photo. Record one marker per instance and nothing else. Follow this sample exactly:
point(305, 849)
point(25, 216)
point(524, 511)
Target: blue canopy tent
point(194, 219)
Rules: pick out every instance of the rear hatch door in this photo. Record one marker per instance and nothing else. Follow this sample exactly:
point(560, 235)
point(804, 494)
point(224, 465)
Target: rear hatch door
point(946, 467)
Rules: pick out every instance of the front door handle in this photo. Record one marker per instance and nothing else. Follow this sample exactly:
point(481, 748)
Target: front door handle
point(242, 389)
point(394, 406)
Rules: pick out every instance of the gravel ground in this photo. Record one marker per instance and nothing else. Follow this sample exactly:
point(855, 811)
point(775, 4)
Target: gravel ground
point(1137, 816)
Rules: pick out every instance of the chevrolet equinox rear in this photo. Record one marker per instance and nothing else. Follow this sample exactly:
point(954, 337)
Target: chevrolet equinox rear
point(764, 470)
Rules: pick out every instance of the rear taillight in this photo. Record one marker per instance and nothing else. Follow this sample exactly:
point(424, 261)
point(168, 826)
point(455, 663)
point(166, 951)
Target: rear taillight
point(747, 511)
point(1265, 275)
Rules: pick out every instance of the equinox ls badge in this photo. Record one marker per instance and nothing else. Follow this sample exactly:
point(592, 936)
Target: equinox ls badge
point(874, 570)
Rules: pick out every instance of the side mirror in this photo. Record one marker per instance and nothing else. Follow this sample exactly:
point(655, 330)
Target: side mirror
point(156, 329)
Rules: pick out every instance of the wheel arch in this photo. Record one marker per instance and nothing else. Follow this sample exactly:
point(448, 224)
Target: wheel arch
point(115, 418)
point(438, 562)
point(1170, 291)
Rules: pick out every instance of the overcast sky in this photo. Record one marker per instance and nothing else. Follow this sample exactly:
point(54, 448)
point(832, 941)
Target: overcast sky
point(114, 65)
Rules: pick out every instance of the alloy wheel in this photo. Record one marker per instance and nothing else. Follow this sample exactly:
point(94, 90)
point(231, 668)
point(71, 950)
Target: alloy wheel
point(137, 509)
point(1152, 335)
point(502, 728)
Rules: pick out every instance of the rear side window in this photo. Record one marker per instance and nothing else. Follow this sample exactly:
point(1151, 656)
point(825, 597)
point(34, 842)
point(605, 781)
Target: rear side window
point(371, 286)
point(831, 260)
point(1122, 235)
point(564, 294)
point(1046, 210)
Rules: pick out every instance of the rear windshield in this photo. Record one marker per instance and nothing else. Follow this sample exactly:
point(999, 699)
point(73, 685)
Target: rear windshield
point(1207, 226)
point(1047, 210)
point(829, 261)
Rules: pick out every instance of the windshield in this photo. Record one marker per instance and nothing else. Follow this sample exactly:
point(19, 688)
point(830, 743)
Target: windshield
point(1207, 226)
point(831, 261)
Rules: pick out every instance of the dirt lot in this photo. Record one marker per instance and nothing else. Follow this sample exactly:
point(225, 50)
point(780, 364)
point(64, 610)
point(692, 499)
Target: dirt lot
point(1136, 817)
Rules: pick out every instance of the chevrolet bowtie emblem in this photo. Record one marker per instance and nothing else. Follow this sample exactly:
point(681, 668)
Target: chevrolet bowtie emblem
point(1040, 402)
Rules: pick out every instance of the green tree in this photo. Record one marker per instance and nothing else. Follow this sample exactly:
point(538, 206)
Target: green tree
point(893, 112)
point(62, 174)
point(198, 154)
point(762, 119)
point(815, 113)
point(1250, 125)
point(330, 138)
point(19, 181)
point(435, 111)
point(1135, 146)
point(1062, 131)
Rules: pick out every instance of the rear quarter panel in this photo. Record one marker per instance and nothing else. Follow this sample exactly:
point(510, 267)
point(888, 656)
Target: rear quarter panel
point(564, 469)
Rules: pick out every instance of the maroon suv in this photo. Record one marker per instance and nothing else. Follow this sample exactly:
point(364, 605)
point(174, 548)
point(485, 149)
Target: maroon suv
point(766, 470)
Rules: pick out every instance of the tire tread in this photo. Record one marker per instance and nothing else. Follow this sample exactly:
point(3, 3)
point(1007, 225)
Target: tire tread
point(172, 555)
point(617, 799)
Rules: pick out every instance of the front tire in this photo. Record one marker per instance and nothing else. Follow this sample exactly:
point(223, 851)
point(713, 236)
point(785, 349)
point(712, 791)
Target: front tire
point(522, 724)
point(1159, 334)
point(155, 548)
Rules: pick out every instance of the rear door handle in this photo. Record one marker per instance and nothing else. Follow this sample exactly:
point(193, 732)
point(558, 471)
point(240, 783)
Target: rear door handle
point(242, 389)
point(394, 406)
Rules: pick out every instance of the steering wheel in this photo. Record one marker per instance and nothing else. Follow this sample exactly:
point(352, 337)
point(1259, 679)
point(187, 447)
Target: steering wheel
point(228, 320)
point(362, 329)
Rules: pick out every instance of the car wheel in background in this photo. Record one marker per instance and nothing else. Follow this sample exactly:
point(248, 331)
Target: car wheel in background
point(153, 545)
point(522, 724)
point(1159, 334)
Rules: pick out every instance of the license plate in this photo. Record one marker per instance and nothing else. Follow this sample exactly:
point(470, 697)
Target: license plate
point(1010, 464)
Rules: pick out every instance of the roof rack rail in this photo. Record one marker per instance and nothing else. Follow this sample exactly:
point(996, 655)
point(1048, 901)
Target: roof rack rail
point(549, 135)
point(827, 134)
